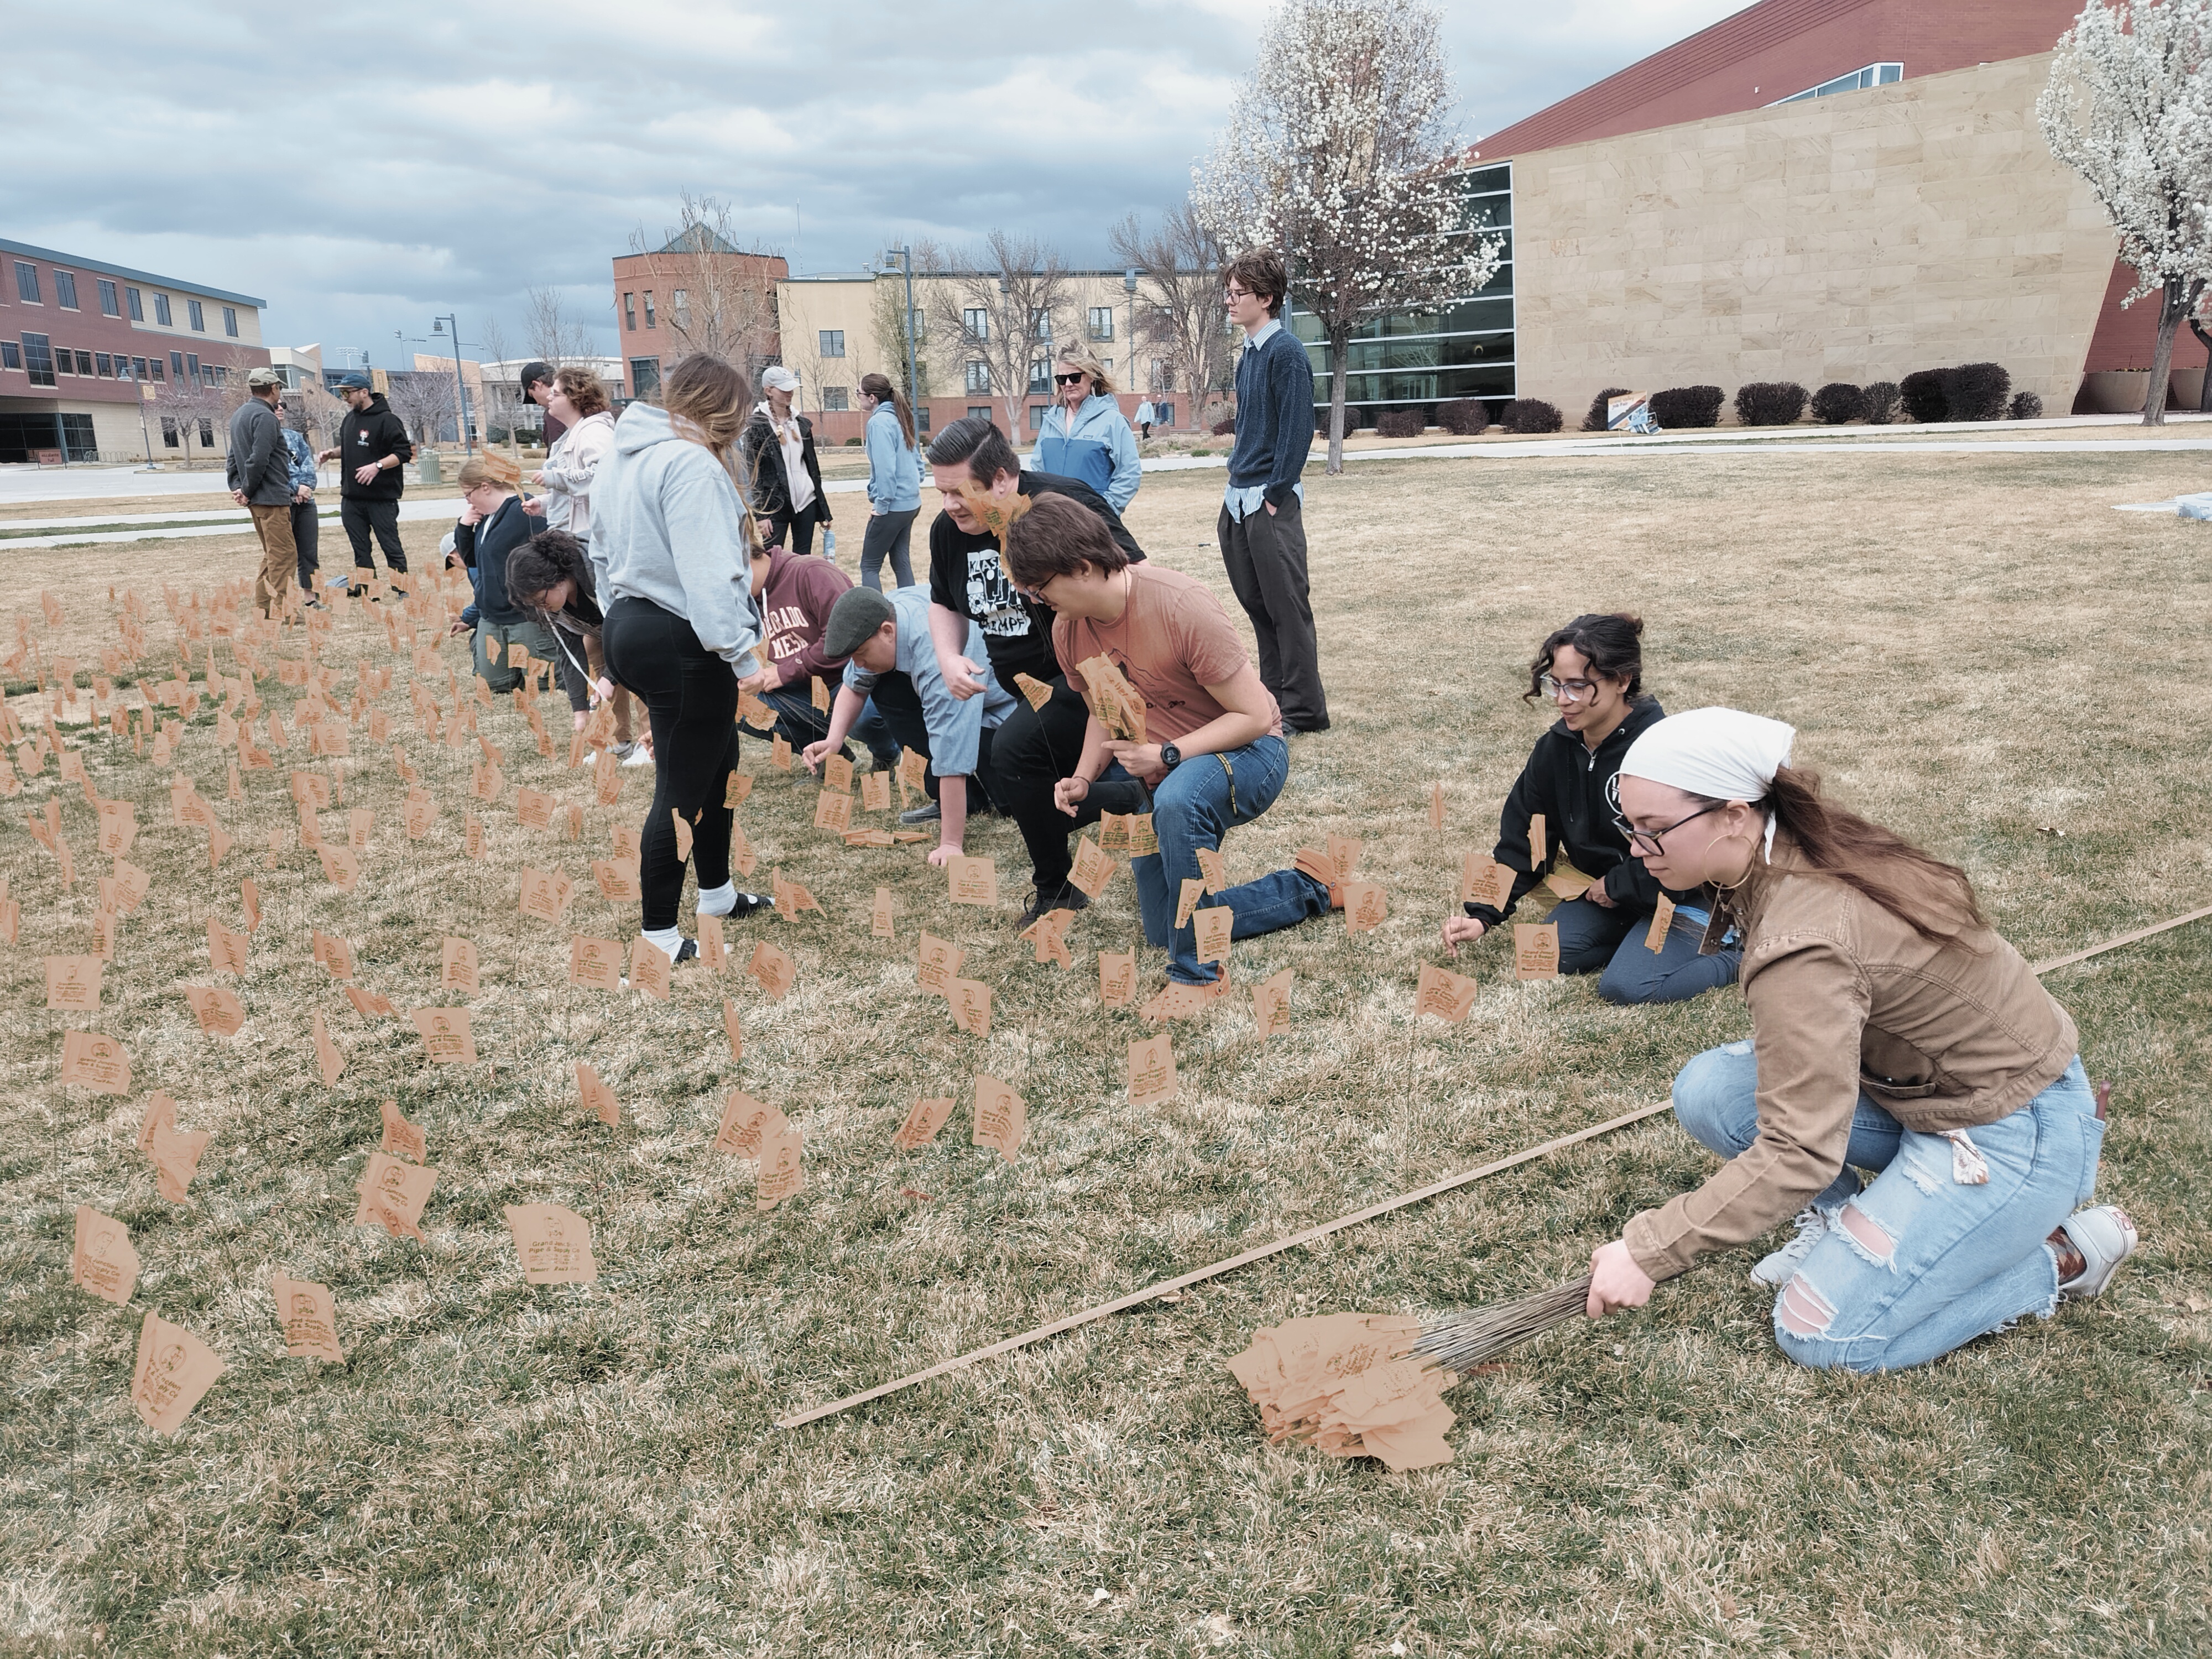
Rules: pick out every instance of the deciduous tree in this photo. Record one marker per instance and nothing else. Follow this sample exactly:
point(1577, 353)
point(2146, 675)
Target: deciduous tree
point(1181, 261)
point(1005, 309)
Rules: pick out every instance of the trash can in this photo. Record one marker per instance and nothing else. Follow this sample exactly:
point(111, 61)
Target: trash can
point(426, 469)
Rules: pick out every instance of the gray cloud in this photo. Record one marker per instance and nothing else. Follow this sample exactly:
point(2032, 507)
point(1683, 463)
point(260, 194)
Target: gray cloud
point(363, 167)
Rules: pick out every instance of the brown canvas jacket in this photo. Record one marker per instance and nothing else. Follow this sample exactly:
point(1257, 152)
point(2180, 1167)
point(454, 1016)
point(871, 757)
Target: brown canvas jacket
point(1844, 996)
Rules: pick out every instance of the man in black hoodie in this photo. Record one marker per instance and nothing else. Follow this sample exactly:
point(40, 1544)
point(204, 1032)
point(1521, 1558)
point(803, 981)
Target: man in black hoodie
point(373, 445)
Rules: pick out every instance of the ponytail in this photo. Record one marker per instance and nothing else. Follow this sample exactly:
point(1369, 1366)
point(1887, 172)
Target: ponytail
point(879, 387)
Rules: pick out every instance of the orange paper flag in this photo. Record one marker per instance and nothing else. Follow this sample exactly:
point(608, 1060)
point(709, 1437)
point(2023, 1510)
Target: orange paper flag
point(326, 1052)
point(775, 971)
point(1365, 906)
point(402, 1138)
point(1151, 1072)
point(73, 983)
point(1001, 1118)
point(1662, 923)
point(936, 963)
point(446, 1036)
point(218, 1011)
point(1536, 950)
point(598, 1097)
point(973, 880)
point(1193, 890)
point(923, 1120)
point(544, 894)
point(879, 914)
point(714, 954)
point(649, 968)
point(176, 1155)
point(733, 1029)
point(1271, 1004)
point(1117, 977)
point(746, 1122)
point(392, 1195)
point(96, 1062)
point(1447, 995)
point(782, 1168)
point(971, 1007)
point(457, 965)
point(1213, 928)
point(554, 1244)
point(103, 1260)
point(174, 1368)
point(308, 1314)
point(225, 950)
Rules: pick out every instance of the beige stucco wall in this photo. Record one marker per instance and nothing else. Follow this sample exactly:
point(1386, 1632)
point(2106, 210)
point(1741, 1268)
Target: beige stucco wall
point(1857, 237)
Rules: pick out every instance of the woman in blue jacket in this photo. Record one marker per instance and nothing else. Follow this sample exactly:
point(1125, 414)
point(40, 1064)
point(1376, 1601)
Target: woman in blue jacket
point(1086, 436)
point(894, 483)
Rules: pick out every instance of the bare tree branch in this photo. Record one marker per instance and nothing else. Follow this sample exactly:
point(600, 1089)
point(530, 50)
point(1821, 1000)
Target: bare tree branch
point(1004, 311)
point(1181, 262)
point(712, 297)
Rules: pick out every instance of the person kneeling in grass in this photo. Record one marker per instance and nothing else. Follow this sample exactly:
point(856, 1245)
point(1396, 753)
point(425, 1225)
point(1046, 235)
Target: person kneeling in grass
point(1592, 671)
point(1891, 1030)
point(1214, 755)
point(492, 527)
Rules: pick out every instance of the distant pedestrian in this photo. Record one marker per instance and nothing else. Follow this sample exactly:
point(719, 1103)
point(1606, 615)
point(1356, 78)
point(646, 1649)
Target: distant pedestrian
point(1146, 417)
point(538, 385)
point(780, 461)
point(258, 469)
point(307, 529)
point(1086, 436)
point(1261, 527)
point(373, 445)
point(894, 483)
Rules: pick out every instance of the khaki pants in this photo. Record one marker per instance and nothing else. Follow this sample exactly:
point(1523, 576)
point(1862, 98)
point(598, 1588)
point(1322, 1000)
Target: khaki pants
point(280, 557)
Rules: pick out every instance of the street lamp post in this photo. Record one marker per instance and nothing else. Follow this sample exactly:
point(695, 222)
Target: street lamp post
point(913, 382)
point(460, 391)
point(1129, 287)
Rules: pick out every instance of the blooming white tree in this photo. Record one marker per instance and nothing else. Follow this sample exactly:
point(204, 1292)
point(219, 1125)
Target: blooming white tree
point(1337, 153)
point(2129, 106)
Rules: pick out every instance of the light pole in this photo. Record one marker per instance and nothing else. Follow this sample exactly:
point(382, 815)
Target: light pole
point(461, 391)
point(905, 256)
point(1129, 286)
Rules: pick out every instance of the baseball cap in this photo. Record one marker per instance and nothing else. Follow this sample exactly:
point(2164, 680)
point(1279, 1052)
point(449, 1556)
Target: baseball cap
point(259, 377)
point(355, 382)
point(532, 372)
point(859, 612)
point(779, 379)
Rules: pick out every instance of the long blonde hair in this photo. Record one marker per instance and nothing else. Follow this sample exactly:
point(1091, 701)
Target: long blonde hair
point(707, 401)
point(1101, 383)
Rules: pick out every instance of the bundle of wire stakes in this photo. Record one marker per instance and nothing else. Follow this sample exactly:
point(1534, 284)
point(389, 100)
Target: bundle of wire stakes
point(1465, 1341)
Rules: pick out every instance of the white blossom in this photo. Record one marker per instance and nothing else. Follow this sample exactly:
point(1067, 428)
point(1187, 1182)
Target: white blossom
point(1337, 153)
point(2129, 106)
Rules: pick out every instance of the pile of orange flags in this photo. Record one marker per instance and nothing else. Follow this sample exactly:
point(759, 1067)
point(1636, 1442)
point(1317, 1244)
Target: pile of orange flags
point(1346, 1384)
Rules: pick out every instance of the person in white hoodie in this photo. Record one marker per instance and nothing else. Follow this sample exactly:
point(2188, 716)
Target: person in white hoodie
point(1085, 435)
point(672, 543)
point(577, 400)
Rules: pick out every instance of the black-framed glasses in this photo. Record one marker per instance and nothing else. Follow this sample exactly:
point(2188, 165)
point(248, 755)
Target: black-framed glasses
point(1646, 841)
point(1236, 293)
point(1574, 691)
point(1070, 379)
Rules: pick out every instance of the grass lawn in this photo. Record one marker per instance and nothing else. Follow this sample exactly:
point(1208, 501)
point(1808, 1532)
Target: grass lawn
point(1977, 650)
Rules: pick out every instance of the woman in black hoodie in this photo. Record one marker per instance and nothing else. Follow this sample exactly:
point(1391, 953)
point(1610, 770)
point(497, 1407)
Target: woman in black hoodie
point(492, 527)
point(1593, 672)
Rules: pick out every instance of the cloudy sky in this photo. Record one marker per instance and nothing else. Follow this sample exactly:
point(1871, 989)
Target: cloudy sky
point(365, 167)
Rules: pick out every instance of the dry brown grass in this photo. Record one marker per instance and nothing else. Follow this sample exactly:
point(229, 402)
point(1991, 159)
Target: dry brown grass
point(1974, 650)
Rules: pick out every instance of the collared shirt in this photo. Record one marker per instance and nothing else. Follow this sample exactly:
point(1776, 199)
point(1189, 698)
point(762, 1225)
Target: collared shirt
point(956, 726)
point(1243, 503)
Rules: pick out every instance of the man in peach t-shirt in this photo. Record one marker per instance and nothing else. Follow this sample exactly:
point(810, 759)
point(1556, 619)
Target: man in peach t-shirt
point(1214, 755)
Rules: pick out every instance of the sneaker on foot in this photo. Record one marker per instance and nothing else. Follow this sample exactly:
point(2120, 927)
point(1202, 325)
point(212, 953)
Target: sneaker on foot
point(928, 813)
point(639, 755)
point(2104, 1237)
point(1774, 1270)
point(688, 951)
point(1067, 896)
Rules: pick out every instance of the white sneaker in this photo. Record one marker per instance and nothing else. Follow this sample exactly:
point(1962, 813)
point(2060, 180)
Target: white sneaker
point(638, 756)
point(2105, 1237)
point(1774, 1270)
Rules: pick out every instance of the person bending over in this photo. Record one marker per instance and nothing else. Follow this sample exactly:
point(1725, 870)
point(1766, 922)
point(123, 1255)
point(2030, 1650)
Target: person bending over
point(670, 530)
point(978, 476)
point(1592, 670)
point(1214, 755)
point(894, 664)
point(1892, 1030)
point(492, 528)
point(795, 595)
point(551, 575)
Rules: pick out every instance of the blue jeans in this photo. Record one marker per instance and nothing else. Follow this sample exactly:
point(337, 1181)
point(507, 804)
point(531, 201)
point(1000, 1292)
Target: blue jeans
point(1960, 1261)
point(1194, 808)
point(1609, 942)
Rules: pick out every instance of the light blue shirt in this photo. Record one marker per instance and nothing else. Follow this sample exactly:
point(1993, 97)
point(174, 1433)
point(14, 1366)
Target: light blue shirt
point(1096, 447)
point(956, 727)
point(1242, 502)
point(894, 474)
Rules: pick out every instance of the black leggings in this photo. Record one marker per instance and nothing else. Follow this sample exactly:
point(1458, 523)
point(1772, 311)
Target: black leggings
point(690, 696)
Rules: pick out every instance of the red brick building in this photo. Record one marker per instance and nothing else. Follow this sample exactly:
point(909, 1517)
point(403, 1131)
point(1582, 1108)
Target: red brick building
point(697, 292)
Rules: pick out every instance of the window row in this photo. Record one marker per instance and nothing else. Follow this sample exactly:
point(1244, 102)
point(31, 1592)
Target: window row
point(29, 290)
point(652, 317)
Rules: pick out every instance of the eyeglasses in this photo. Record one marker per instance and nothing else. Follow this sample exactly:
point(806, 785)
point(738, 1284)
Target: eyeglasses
point(1646, 841)
point(1070, 379)
point(1237, 293)
point(1572, 690)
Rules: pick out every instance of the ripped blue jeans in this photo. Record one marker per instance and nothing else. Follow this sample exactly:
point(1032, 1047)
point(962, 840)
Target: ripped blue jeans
point(1917, 1264)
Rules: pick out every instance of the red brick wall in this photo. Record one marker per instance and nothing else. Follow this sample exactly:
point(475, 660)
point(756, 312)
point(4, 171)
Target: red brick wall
point(2128, 338)
point(1785, 46)
point(87, 330)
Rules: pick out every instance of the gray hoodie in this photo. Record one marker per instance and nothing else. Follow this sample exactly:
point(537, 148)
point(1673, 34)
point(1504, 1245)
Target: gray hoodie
point(666, 526)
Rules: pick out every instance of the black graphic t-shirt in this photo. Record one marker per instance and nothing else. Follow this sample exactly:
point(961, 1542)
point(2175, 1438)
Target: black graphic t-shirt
point(965, 575)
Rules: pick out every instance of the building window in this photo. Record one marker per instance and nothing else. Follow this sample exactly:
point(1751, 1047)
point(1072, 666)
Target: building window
point(168, 432)
point(230, 321)
point(106, 365)
point(137, 303)
point(207, 433)
point(1874, 75)
point(835, 399)
point(921, 418)
point(108, 307)
point(979, 376)
point(38, 359)
point(177, 363)
point(630, 313)
point(975, 319)
point(84, 364)
point(198, 316)
point(833, 341)
point(1101, 322)
point(1041, 377)
point(27, 284)
point(649, 322)
point(193, 367)
point(11, 355)
point(138, 368)
point(161, 311)
point(1036, 417)
point(1107, 363)
point(644, 376)
point(154, 364)
point(984, 410)
point(65, 289)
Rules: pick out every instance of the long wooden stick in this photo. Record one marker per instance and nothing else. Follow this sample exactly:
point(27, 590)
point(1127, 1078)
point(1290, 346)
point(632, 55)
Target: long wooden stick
point(1466, 1177)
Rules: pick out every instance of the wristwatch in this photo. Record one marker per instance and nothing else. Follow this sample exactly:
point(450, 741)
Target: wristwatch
point(1170, 754)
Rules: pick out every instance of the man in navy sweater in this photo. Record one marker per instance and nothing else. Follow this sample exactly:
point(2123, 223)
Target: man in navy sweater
point(1263, 535)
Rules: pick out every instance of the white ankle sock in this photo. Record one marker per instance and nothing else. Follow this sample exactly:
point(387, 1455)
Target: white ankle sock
point(718, 900)
point(668, 940)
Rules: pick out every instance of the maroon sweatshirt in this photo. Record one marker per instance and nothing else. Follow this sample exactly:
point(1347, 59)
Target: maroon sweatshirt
point(794, 608)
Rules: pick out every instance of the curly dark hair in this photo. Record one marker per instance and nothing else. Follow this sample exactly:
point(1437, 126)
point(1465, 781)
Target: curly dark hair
point(547, 558)
point(1612, 643)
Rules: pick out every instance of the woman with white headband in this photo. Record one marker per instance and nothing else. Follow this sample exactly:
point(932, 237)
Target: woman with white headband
point(1892, 1031)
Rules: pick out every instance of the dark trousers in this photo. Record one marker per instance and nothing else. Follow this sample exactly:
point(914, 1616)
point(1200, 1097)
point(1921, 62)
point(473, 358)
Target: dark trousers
point(1266, 554)
point(896, 700)
point(1609, 942)
point(306, 536)
point(359, 517)
point(798, 723)
point(1031, 752)
point(794, 531)
point(690, 696)
point(888, 533)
